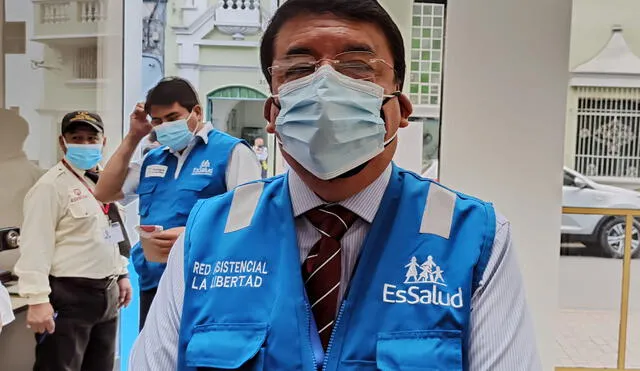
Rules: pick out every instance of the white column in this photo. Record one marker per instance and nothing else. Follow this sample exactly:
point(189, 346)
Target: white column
point(505, 92)
point(189, 59)
point(2, 59)
point(110, 69)
point(132, 58)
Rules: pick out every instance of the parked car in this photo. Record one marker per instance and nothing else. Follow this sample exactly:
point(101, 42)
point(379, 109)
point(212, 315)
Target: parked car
point(601, 234)
point(598, 232)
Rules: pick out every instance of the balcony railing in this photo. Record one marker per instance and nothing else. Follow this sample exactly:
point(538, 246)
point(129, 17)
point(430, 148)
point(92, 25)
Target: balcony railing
point(68, 18)
point(238, 18)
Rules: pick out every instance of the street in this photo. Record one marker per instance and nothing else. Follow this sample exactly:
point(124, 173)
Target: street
point(588, 320)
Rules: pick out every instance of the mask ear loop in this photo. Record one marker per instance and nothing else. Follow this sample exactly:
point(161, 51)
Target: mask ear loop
point(387, 98)
point(276, 101)
point(66, 145)
point(196, 128)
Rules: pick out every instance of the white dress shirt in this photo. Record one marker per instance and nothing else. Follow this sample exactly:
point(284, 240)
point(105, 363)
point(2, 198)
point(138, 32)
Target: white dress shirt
point(242, 167)
point(6, 311)
point(63, 235)
point(501, 336)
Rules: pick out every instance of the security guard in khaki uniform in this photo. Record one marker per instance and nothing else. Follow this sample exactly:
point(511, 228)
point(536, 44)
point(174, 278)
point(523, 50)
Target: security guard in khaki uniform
point(72, 269)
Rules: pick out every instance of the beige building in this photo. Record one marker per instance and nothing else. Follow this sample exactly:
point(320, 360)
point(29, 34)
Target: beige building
point(603, 120)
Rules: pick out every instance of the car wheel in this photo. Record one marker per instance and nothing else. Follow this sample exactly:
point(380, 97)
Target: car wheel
point(611, 238)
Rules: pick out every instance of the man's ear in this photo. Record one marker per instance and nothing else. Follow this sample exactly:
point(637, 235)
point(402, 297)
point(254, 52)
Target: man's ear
point(61, 144)
point(198, 111)
point(270, 113)
point(406, 109)
point(104, 142)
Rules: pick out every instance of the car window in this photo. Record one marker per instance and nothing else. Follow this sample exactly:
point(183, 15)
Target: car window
point(569, 180)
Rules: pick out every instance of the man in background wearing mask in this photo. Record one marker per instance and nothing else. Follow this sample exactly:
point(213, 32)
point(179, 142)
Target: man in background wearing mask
point(346, 262)
point(193, 162)
point(262, 153)
point(71, 268)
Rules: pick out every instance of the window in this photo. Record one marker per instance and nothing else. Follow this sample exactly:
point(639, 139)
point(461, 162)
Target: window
point(568, 180)
point(15, 37)
point(608, 132)
point(86, 63)
point(426, 57)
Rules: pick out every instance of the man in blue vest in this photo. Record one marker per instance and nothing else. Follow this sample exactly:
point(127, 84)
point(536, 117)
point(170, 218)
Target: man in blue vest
point(346, 262)
point(193, 162)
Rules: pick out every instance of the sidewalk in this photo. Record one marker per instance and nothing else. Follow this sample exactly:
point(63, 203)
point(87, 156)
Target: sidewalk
point(589, 338)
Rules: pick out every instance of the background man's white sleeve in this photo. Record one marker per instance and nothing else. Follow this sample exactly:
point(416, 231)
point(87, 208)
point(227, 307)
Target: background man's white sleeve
point(243, 167)
point(156, 348)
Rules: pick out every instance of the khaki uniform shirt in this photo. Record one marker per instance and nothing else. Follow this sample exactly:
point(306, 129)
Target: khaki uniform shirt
point(63, 235)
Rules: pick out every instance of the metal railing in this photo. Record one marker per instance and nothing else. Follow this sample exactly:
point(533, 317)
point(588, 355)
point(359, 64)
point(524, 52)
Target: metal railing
point(607, 131)
point(80, 11)
point(629, 215)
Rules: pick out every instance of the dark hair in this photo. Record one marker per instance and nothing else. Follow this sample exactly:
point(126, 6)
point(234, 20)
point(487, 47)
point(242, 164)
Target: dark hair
point(172, 90)
point(369, 11)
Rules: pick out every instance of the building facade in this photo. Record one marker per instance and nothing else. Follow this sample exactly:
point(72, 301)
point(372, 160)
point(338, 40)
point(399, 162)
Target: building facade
point(214, 44)
point(67, 49)
point(603, 117)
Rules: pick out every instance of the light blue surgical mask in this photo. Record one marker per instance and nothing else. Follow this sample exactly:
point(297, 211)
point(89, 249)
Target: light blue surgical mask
point(83, 156)
point(330, 123)
point(175, 134)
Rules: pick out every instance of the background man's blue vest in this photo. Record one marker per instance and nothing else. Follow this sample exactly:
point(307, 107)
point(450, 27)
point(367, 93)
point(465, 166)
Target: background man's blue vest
point(407, 307)
point(167, 201)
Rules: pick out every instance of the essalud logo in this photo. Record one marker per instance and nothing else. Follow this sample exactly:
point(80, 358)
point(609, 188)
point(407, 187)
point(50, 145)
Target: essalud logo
point(415, 288)
point(204, 169)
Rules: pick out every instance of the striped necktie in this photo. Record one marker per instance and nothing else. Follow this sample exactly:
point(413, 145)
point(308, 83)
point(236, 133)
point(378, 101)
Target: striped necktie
point(321, 269)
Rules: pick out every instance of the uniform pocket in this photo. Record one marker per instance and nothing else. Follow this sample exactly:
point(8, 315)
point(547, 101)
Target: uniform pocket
point(227, 346)
point(419, 350)
point(188, 193)
point(83, 209)
point(145, 192)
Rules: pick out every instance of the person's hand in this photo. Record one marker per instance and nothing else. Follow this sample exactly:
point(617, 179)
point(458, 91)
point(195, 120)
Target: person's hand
point(158, 245)
point(139, 126)
point(40, 318)
point(126, 292)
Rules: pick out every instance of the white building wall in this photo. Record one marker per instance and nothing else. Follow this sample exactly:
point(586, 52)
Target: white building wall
point(19, 73)
point(505, 93)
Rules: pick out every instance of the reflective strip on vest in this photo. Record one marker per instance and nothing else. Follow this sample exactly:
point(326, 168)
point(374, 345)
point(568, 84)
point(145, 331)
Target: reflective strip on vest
point(243, 206)
point(438, 211)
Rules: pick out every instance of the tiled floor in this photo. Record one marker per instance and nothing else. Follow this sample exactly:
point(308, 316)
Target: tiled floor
point(589, 338)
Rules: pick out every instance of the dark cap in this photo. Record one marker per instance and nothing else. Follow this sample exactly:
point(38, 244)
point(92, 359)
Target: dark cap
point(82, 117)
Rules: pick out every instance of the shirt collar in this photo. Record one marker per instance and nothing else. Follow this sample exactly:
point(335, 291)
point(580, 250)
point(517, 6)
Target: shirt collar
point(364, 203)
point(202, 134)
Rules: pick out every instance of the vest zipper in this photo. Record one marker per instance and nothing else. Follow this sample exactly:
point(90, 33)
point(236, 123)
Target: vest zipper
point(335, 326)
point(309, 314)
point(345, 296)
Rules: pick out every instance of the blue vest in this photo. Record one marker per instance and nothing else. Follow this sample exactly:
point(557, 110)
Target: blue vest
point(407, 306)
point(167, 201)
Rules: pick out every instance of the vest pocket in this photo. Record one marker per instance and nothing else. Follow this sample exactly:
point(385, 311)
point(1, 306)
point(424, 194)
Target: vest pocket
point(419, 350)
point(188, 193)
point(145, 192)
point(227, 346)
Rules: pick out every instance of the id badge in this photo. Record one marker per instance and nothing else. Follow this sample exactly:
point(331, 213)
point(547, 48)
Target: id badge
point(113, 234)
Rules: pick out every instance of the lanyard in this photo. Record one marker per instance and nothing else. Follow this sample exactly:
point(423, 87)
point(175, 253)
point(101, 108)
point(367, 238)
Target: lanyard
point(104, 207)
